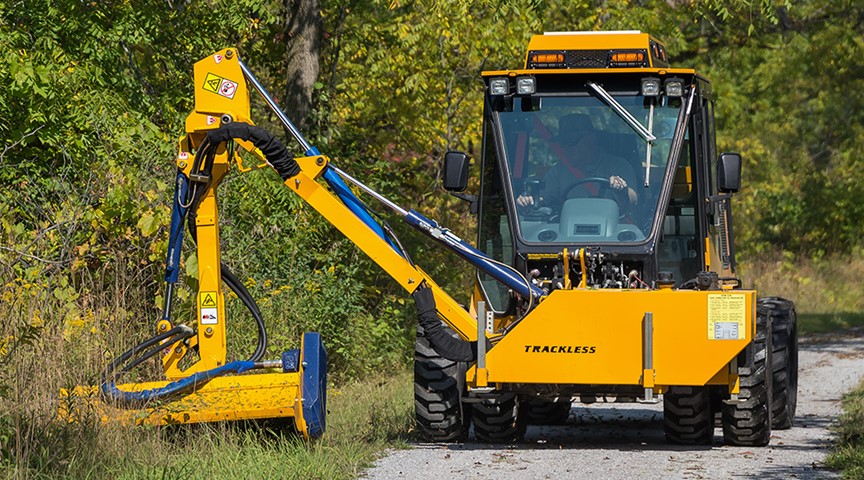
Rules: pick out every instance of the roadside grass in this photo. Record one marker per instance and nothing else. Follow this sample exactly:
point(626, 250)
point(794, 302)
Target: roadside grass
point(828, 322)
point(827, 292)
point(848, 456)
point(365, 418)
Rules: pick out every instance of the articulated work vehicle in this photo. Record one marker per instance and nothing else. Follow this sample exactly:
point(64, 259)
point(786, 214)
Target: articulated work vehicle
point(602, 276)
point(600, 183)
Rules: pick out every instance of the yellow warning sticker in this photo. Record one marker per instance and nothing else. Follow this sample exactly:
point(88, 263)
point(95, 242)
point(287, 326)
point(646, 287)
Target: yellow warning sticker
point(208, 299)
point(220, 86)
point(727, 315)
point(212, 83)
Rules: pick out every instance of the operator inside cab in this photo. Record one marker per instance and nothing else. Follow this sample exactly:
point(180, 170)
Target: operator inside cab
point(584, 169)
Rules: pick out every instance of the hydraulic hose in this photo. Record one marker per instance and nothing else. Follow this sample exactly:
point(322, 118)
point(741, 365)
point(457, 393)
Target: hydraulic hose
point(443, 343)
point(155, 345)
point(274, 151)
point(243, 294)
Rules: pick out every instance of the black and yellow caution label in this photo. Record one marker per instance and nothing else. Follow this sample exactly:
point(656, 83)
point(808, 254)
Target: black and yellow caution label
point(212, 83)
point(208, 299)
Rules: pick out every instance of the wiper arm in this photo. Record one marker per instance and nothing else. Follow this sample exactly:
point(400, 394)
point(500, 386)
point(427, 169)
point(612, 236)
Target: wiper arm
point(648, 146)
point(622, 112)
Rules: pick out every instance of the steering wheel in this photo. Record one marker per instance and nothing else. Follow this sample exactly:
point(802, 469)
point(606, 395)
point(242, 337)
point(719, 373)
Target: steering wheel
point(603, 187)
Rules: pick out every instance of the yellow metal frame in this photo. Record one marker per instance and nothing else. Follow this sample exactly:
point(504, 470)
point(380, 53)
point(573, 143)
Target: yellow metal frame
point(596, 337)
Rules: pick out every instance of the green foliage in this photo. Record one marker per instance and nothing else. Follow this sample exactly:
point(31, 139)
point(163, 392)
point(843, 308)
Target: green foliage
point(800, 129)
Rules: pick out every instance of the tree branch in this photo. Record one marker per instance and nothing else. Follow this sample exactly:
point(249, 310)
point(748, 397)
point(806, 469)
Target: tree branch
point(15, 144)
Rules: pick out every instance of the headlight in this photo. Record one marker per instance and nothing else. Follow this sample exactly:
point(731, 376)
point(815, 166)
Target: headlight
point(499, 86)
point(526, 85)
point(650, 87)
point(674, 87)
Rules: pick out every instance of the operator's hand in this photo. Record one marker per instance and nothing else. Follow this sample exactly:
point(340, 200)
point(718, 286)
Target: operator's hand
point(524, 200)
point(617, 183)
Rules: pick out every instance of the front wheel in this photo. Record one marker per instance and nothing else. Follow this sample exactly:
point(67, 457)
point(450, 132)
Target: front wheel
point(747, 421)
point(687, 416)
point(784, 381)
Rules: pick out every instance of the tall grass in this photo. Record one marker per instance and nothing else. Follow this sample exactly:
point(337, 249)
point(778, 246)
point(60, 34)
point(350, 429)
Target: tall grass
point(56, 333)
point(828, 291)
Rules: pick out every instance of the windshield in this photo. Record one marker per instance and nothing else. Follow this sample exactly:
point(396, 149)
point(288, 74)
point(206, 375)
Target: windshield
point(580, 173)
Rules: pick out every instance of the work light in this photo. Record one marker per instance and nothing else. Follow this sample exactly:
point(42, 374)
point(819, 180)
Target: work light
point(674, 87)
point(499, 86)
point(526, 85)
point(650, 86)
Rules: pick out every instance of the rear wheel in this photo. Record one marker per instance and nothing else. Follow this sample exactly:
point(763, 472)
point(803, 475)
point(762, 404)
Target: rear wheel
point(687, 416)
point(438, 386)
point(784, 382)
point(545, 412)
point(497, 419)
point(747, 421)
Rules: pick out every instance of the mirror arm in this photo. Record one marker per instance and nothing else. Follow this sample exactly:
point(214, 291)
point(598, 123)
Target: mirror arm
point(718, 198)
point(471, 199)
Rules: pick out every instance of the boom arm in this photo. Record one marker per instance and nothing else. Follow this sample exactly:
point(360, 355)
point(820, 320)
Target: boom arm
point(221, 101)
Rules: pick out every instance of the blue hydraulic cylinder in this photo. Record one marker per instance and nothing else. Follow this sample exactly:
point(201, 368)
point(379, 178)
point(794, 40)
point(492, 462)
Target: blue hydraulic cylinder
point(354, 204)
point(479, 259)
point(175, 238)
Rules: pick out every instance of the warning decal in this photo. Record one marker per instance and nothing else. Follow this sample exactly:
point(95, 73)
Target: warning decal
point(208, 299)
point(209, 316)
point(221, 86)
point(228, 88)
point(212, 83)
point(727, 313)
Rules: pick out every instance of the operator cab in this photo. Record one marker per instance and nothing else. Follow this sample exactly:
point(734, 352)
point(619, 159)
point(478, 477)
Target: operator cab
point(598, 151)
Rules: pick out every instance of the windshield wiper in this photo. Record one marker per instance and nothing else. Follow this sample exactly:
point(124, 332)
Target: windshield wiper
point(622, 112)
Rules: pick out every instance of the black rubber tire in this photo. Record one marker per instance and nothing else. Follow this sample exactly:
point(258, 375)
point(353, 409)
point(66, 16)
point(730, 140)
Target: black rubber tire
point(687, 416)
point(438, 387)
point(497, 419)
point(545, 412)
point(784, 384)
point(747, 422)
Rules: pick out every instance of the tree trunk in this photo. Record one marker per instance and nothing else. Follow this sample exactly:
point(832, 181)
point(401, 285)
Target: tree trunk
point(304, 32)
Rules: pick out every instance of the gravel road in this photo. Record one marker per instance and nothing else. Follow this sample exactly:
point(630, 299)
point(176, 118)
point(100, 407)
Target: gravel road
point(626, 441)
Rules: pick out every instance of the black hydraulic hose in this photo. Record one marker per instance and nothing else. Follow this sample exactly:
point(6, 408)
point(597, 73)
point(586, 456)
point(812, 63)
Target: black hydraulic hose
point(243, 294)
point(395, 239)
point(154, 344)
point(273, 149)
point(443, 343)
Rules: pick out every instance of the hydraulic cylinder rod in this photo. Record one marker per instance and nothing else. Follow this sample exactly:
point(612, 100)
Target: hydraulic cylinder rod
point(499, 271)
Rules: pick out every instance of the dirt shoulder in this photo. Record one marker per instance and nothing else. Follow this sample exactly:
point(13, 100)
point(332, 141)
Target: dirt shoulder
point(626, 441)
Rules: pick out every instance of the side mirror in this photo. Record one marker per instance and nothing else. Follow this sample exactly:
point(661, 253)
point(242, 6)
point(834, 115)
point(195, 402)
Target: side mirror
point(729, 173)
point(455, 171)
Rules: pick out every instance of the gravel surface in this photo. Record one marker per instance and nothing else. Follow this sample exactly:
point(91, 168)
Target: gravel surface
point(626, 441)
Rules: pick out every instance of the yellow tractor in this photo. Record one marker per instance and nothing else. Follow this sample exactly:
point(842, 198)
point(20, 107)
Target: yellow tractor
point(600, 184)
point(604, 257)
